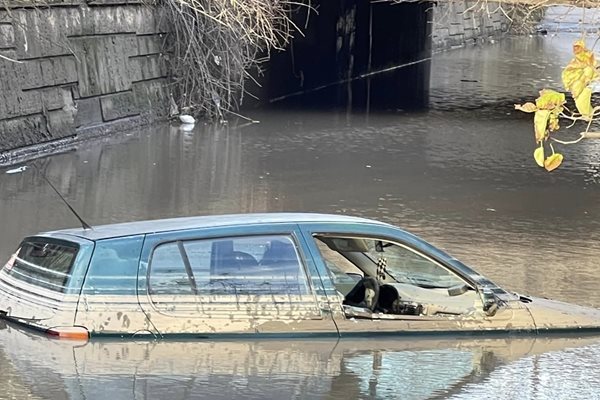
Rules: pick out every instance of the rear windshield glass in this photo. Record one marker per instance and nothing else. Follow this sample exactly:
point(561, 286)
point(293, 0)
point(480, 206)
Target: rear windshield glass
point(43, 263)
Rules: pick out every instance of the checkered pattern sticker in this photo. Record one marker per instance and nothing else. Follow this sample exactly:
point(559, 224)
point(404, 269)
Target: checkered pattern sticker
point(381, 267)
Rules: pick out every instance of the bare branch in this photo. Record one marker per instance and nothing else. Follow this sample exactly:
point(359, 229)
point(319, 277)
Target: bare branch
point(566, 141)
point(582, 135)
point(590, 135)
point(213, 44)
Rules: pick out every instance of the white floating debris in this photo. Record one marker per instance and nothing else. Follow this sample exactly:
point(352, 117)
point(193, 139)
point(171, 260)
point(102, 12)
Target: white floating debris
point(187, 127)
point(368, 166)
point(490, 209)
point(17, 170)
point(187, 119)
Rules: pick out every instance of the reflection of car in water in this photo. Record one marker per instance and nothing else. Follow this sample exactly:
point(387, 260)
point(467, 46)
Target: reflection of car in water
point(266, 369)
point(261, 274)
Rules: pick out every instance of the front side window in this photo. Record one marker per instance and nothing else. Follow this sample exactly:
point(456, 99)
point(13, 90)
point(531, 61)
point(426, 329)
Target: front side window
point(42, 262)
point(384, 277)
point(253, 265)
point(404, 265)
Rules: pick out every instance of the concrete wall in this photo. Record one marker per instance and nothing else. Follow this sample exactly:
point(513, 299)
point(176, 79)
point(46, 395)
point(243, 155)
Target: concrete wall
point(85, 66)
point(81, 66)
point(454, 26)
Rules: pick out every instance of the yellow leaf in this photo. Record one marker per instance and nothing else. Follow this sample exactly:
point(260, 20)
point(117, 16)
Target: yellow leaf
point(550, 100)
point(580, 71)
point(570, 75)
point(538, 155)
point(584, 103)
point(527, 107)
point(589, 72)
point(553, 162)
point(540, 123)
point(582, 54)
point(577, 87)
point(553, 122)
point(578, 46)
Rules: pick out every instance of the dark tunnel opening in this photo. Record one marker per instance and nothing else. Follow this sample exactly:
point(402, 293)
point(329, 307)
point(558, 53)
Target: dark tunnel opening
point(355, 55)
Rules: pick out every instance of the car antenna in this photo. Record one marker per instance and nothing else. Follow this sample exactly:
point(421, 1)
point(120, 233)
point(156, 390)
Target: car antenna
point(84, 224)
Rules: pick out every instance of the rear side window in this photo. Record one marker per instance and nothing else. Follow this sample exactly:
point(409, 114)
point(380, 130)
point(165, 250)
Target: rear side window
point(45, 263)
point(114, 266)
point(254, 265)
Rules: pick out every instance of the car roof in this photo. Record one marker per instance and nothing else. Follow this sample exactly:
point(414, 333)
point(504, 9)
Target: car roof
point(184, 223)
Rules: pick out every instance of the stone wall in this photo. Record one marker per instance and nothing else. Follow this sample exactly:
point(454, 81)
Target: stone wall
point(69, 67)
point(455, 24)
point(74, 66)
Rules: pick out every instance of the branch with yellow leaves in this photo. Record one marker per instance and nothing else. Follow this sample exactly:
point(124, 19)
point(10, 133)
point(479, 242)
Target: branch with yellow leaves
point(550, 107)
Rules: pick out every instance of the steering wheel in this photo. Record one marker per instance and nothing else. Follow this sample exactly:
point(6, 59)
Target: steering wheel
point(359, 295)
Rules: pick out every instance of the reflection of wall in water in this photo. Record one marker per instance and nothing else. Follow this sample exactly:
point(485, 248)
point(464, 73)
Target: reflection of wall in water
point(498, 74)
point(177, 173)
point(166, 173)
point(28, 204)
point(466, 22)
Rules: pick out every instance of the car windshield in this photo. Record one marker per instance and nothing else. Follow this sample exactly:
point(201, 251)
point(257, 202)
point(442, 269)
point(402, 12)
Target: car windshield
point(404, 265)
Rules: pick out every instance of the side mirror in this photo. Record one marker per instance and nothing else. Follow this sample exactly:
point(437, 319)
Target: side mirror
point(490, 303)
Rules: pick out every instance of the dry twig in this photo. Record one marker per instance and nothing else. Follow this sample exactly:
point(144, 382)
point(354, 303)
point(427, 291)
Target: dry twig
point(211, 45)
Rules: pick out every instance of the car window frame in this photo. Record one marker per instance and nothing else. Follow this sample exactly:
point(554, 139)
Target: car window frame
point(314, 280)
point(403, 245)
point(189, 271)
point(72, 282)
point(376, 231)
point(100, 244)
point(383, 232)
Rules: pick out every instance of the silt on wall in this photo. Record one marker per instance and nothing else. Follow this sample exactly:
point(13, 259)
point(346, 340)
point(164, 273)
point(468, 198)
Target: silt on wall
point(78, 67)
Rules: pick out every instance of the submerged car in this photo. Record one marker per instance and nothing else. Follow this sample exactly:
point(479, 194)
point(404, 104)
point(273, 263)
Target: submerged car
point(280, 274)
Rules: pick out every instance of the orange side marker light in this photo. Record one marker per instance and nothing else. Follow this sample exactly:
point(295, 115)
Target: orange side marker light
point(69, 332)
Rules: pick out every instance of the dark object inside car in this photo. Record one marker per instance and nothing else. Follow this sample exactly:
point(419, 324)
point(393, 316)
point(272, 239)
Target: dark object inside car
point(391, 303)
point(364, 294)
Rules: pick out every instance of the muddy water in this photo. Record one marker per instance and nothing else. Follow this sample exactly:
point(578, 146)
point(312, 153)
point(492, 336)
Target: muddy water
point(460, 175)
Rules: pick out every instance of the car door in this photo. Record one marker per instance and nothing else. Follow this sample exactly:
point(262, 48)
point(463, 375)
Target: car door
point(253, 279)
point(416, 290)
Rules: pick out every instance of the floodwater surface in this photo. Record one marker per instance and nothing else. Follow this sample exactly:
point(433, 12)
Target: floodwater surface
point(461, 175)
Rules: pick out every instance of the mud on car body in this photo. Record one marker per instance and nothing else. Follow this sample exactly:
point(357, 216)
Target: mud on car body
point(279, 274)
